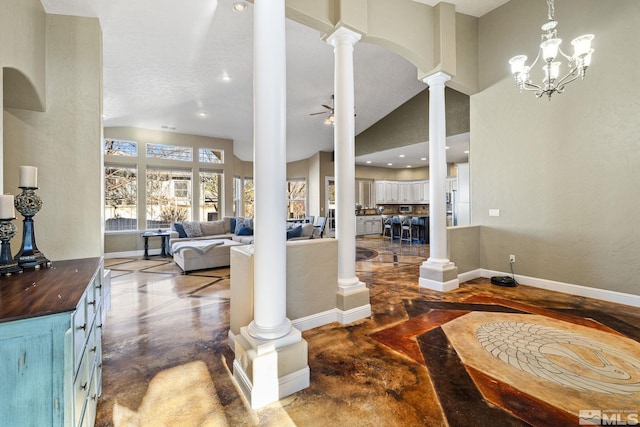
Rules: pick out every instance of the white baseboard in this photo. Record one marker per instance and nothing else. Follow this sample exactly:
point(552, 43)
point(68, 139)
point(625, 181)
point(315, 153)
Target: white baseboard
point(128, 254)
point(315, 320)
point(567, 288)
point(294, 382)
point(354, 314)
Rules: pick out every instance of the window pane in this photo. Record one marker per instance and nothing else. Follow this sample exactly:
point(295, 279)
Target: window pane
point(210, 196)
point(168, 197)
point(120, 190)
point(209, 155)
point(172, 152)
point(296, 198)
point(237, 196)
point(115, 147)
point(247, 210)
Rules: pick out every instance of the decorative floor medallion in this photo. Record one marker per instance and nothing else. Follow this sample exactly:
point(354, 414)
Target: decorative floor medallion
point(511, 363)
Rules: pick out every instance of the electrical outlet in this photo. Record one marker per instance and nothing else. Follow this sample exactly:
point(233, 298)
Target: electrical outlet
point(512, 258)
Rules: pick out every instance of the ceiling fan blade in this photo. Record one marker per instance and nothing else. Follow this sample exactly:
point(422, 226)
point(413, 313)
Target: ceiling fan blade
point(314, 114)
point(327, 107)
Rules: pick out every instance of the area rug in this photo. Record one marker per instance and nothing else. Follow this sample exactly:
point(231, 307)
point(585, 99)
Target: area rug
point(363, 254)
point(509, 363)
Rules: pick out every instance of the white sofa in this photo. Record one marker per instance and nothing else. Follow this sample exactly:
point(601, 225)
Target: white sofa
point(202, 254)
point(226, 229)
point(312, 284)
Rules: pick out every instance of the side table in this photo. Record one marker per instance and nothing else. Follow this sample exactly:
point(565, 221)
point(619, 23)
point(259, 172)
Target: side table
point(164, 236)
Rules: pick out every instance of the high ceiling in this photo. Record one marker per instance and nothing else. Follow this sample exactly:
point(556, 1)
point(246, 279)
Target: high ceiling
point(187, 67)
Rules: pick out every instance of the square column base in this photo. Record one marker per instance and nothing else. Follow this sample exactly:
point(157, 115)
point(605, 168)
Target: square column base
point(268, 370)
point(439, 277)
point(353, 305)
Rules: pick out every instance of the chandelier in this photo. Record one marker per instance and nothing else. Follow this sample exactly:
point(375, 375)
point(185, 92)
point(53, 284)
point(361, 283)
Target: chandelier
point(549, 49)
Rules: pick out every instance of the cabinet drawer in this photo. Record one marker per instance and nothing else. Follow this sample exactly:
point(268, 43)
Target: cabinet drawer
point(81, 384)
point(80, 331)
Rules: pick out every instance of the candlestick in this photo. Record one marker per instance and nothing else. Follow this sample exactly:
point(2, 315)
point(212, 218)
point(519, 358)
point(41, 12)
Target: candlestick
point(6, 206)
point(8, 265)
point(28, 204)
point(28, 177)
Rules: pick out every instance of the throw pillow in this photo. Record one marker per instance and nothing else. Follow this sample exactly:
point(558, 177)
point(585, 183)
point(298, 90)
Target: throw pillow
point(243, 222)
point(180, 229)
point(212, 228)
point(294, 232)
point(192, 228)
point(245, 231)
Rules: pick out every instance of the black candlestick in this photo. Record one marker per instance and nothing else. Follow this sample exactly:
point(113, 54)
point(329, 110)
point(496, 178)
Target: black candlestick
point(28, 203)
point(8, 265)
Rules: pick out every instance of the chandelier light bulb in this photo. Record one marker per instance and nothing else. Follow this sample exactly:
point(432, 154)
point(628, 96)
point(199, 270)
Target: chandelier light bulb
point(582, 45)
point(550, 49)
point(517, 63)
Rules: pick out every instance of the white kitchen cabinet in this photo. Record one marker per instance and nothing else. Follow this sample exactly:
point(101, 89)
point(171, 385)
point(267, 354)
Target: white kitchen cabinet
point(368, 224)
point(380, 192)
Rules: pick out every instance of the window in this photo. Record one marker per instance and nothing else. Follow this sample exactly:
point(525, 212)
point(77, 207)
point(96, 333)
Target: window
point(209, 155)
point(248, 205)
point(121, 195)
point(171, 152)
point(210, 184)
point(168, 197)
point(115, 147)
point(237, 196)
point(296, 198)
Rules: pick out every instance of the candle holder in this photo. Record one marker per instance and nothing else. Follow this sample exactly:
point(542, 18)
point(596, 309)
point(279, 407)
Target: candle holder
point(28, 203)
point(8, 265)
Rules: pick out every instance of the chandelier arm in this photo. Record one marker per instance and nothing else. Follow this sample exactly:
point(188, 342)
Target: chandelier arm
point(531, 87)
point(573, 75)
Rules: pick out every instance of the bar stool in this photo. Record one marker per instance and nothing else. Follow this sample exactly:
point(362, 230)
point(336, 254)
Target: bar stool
point(387, 227)
point(406, 229)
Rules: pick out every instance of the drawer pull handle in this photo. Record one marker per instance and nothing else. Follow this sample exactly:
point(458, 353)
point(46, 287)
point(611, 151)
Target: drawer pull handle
point(84, 386)
point(94, 349)
point(99, 287)
point(92, 302)
point(99, 326)
point(83, 327)
point(94, 397)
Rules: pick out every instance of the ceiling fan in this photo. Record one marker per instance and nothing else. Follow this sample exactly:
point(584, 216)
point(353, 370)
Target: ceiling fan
point(329, 111)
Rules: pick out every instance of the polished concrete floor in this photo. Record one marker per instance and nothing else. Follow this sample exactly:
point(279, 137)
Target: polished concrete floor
point(481, 355)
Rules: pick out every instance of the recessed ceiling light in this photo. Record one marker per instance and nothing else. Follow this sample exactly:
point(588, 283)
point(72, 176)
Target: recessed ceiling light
point(447, 147)
point(466, 151)
point(240, 6)
point(401, 155)
point(423, 159)
point(368, 162)
point(389, 164)
point(203, 114)
point(226, 77)
point(408, 166)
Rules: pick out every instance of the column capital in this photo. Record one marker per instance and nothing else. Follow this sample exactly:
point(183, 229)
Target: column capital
point(343, 35)
point(438, 78)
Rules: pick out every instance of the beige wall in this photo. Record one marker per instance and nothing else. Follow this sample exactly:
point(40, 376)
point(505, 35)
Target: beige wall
point(409, 123)
point(564, 173)
point(64, 141)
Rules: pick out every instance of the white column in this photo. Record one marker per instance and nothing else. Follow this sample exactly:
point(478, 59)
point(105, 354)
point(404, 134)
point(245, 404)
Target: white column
point(269, 171)
point(438, 272)
point(270, 355)
point(344, 142)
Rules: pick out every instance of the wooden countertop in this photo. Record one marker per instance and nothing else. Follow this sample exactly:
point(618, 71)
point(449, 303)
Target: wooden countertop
point(45, 291)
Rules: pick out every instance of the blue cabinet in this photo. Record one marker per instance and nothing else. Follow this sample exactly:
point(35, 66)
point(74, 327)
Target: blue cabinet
point(50, 344)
